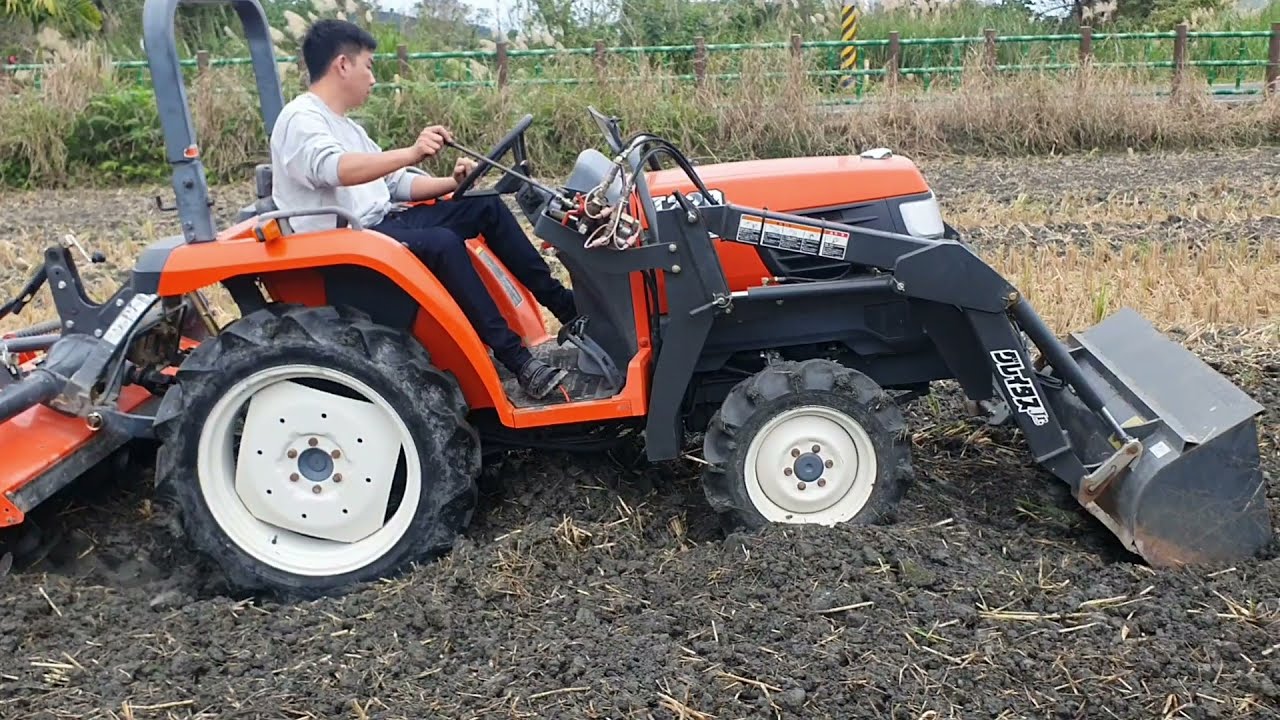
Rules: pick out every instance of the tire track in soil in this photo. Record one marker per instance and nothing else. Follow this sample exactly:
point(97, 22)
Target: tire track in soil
point(591, 588)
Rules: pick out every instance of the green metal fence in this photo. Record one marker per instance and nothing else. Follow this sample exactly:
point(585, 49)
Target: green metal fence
point(1231, 62)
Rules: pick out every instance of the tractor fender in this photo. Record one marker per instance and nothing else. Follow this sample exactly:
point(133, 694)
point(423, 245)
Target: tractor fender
point(172, 267)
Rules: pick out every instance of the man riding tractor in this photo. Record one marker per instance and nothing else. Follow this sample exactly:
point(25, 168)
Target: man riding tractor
point(322, 158)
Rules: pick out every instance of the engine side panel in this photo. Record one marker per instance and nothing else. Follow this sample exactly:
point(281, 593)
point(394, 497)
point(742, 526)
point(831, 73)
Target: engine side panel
point(850, 189)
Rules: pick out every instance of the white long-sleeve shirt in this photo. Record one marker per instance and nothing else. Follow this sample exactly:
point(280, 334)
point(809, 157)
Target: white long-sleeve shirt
point(306, 142)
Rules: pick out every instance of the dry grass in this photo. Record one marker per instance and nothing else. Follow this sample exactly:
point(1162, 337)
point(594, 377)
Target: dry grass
point(1190, 253)
point(775, 112)
point(1218, 284)
point(1222, 200)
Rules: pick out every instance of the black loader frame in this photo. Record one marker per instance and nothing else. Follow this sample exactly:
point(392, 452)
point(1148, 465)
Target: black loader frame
point(1148, 437)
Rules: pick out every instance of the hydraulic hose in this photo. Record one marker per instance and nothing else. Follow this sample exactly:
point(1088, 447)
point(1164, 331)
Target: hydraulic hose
point(28, 343)
point(38, 387)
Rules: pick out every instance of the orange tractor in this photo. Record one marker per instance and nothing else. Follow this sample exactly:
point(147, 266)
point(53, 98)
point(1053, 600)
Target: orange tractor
point(333, 433)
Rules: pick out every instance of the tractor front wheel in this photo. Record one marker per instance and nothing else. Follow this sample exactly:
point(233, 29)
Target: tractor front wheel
point(806, 442)
point(307, 449)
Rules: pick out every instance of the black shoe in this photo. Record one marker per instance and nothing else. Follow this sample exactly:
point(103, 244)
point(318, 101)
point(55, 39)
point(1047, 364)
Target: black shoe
point(539, 379)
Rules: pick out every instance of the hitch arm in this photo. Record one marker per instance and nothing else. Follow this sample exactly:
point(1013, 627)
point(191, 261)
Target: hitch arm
point(14, 306)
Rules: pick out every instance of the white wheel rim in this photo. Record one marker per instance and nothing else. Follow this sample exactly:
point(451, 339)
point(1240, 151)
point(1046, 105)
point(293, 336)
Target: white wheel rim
point(789, 482)
point(260, 495)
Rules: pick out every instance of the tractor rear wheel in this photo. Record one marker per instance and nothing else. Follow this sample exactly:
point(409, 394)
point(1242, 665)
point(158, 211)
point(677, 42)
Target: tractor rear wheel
point(806, 442)
point(308, 449)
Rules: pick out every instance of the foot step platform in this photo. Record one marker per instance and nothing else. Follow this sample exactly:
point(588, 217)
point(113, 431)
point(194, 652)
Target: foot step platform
point(579, 385)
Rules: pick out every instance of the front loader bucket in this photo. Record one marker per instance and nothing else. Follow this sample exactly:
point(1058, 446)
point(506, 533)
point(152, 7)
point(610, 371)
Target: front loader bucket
point(1196, 492)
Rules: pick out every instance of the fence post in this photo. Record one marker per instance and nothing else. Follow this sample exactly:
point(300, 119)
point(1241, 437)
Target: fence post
point(1179, 57)
point(895, 57)
point(1273, 61)
point(797, 46)
point(202, 62)
point(502, 63)
point(700, 60)
point(402, 54)
point(600, 61)
point(990, 59)
point(1086, 44)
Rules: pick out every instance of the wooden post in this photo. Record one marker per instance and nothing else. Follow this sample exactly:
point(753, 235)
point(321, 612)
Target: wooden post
point(990, 58)
point(1179, 57)
point(895, 57)
point(797, 46)
point(502, 63)
point(600, 61)
point(1273, 61)
point(700, 60)
point(202, 62)
point(402, 54)
point(1086, 44)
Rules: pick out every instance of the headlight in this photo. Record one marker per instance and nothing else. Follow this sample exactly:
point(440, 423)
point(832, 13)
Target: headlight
point(923, 218)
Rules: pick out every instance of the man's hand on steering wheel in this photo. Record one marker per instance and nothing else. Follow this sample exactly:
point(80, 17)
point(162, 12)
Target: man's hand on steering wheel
point(464, 166)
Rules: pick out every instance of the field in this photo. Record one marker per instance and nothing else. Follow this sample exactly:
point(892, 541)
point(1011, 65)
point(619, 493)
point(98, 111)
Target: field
point(595, 586)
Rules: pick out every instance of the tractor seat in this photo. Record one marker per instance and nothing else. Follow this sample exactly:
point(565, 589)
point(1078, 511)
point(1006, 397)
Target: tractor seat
point(264, 203)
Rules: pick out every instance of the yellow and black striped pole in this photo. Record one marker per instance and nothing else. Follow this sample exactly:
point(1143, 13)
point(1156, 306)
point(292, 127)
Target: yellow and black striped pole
point(848, 33)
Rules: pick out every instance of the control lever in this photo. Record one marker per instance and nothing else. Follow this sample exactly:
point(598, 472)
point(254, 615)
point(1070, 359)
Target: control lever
point(97, 257)
point(493, 163)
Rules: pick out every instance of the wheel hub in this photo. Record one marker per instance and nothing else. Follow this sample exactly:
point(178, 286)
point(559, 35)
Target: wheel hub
point(809, 467)
point(298, 446)
point(810, 464)
point(315, 465)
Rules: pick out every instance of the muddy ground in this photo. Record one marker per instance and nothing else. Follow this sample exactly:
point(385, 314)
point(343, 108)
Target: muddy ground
point(594, 586)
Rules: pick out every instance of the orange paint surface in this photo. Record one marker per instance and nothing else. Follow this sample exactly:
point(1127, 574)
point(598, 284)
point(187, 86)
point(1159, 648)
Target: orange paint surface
point(36, 440)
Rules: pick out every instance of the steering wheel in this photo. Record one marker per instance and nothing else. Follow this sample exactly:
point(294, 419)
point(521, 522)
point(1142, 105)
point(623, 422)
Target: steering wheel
point(512, 140)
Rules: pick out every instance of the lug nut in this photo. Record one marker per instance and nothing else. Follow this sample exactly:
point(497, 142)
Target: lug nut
point(292, 453)
point(822, 482)
point(817, 449)
point(801, 485)
point(829, 464)
point(337, 477)
point(315, 489)
point(313, 442)
point(336, 454)
point(795, 452)
point(787, 472)
point(293, 477)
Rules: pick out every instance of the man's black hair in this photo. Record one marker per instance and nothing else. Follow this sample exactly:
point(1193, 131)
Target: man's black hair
point(327, 39)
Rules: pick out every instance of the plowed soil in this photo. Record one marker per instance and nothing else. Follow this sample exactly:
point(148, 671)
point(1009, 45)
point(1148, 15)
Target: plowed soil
point(597, 586)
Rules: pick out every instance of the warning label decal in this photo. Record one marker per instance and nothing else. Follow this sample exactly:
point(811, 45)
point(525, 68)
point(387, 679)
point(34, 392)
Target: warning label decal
point(792, 237)
point(834, 243)
point(749, 229)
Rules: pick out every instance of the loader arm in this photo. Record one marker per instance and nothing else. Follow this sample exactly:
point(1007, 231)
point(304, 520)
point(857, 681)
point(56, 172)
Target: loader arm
point(963, 303)
point(1178, 480)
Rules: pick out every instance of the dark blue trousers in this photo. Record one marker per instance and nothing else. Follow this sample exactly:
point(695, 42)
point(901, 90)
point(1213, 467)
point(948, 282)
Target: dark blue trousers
point(437, 234)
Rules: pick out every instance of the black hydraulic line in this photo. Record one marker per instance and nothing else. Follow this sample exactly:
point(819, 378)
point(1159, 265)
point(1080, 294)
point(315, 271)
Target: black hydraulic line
point(29, 343)
point(856, 286)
